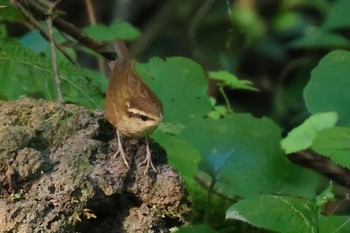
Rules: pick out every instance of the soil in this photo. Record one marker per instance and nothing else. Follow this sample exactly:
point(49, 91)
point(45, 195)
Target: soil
point(59, 173)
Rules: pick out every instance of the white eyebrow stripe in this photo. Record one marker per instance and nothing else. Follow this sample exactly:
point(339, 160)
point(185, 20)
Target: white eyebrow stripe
point(140, 112)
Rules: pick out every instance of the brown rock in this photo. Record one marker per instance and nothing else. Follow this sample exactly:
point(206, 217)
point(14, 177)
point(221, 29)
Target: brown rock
point(58, 173)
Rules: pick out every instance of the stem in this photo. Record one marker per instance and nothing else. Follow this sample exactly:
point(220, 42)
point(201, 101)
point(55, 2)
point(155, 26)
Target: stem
point(210, 192)
point(53, 55)
point(316, 219)
point(37, 25)
point(228, 105)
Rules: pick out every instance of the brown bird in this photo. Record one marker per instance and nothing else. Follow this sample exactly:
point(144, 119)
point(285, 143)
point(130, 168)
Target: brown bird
point(130, 105)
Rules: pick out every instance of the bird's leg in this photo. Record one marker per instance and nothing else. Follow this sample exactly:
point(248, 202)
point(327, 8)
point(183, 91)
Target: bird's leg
point(148, 159)
point(121, 150)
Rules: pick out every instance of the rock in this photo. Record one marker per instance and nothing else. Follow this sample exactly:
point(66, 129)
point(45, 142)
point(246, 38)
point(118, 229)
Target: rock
point(58, 173)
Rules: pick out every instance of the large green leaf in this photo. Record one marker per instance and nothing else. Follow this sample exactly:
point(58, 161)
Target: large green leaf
point(328, 88)
point(23, 72)
point(243, 153)
point(334, 143)
point(180, 154)
point(338, 16)
point(276, 213)
point(301, 137)
point(303, 182)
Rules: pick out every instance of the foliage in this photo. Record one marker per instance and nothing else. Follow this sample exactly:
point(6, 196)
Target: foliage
point(301, 137)
point(230, 80)
point(323, 94)
point(334, 143)
point(24, 72)
point(234, 164)
point(121, 30)
point(8, 13)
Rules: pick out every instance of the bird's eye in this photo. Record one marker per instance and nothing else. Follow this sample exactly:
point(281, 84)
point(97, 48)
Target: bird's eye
point(143, 117)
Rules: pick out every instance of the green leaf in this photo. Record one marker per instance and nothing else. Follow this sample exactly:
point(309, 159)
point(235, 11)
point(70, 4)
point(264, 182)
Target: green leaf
point(303, 182)
point(118, 30)
point(276, 213)
point(301, 138)
point(335, 144)
point(231, 80)
point(320, 39)
point(24, 72)
point(218, 112)
point(328, 88)
point(34, 41)
point(9, 13)
point(180, 154)
point(195, 229)
point(326, 196)
point(338, 16)
point(238, 151)
point(215, 160)
point(334, 224)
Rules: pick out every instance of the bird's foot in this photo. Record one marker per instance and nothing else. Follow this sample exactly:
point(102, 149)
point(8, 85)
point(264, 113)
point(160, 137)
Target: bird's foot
point(121, 151)
point(148, 159)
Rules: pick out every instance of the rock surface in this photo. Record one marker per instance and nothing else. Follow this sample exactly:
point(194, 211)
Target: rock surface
point(58, 173)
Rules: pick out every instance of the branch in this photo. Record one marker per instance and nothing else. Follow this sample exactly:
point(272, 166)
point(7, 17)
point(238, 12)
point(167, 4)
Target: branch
point(323, 165)
point(37, 25)
point(43, 6)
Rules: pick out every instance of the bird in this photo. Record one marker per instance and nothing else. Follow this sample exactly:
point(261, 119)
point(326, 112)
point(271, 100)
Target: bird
point(130, 105)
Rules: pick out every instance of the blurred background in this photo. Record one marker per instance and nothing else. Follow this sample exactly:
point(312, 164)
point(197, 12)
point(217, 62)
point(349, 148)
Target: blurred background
point(273, 43)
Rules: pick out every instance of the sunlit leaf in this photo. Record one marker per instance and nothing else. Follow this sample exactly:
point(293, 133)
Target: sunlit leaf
point(301, 138)
point(231, 80)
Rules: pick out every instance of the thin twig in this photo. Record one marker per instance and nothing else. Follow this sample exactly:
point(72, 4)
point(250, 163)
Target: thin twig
point(92, 19)
point(155, 26)
point(198, 16)
point(105, 50)
point(323, 165)
point(90, 12)
point(37, 25)
point(68, 28)
point(53, 53)
point(204, 183)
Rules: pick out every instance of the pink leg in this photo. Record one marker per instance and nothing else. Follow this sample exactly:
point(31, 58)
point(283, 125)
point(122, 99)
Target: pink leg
point(148, 159)
point(121, 151)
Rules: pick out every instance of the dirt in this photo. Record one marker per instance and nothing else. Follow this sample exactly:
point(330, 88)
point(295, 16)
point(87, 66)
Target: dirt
point(58, 173)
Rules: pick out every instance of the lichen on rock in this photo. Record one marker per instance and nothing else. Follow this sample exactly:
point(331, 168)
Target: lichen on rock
point(58, 173)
